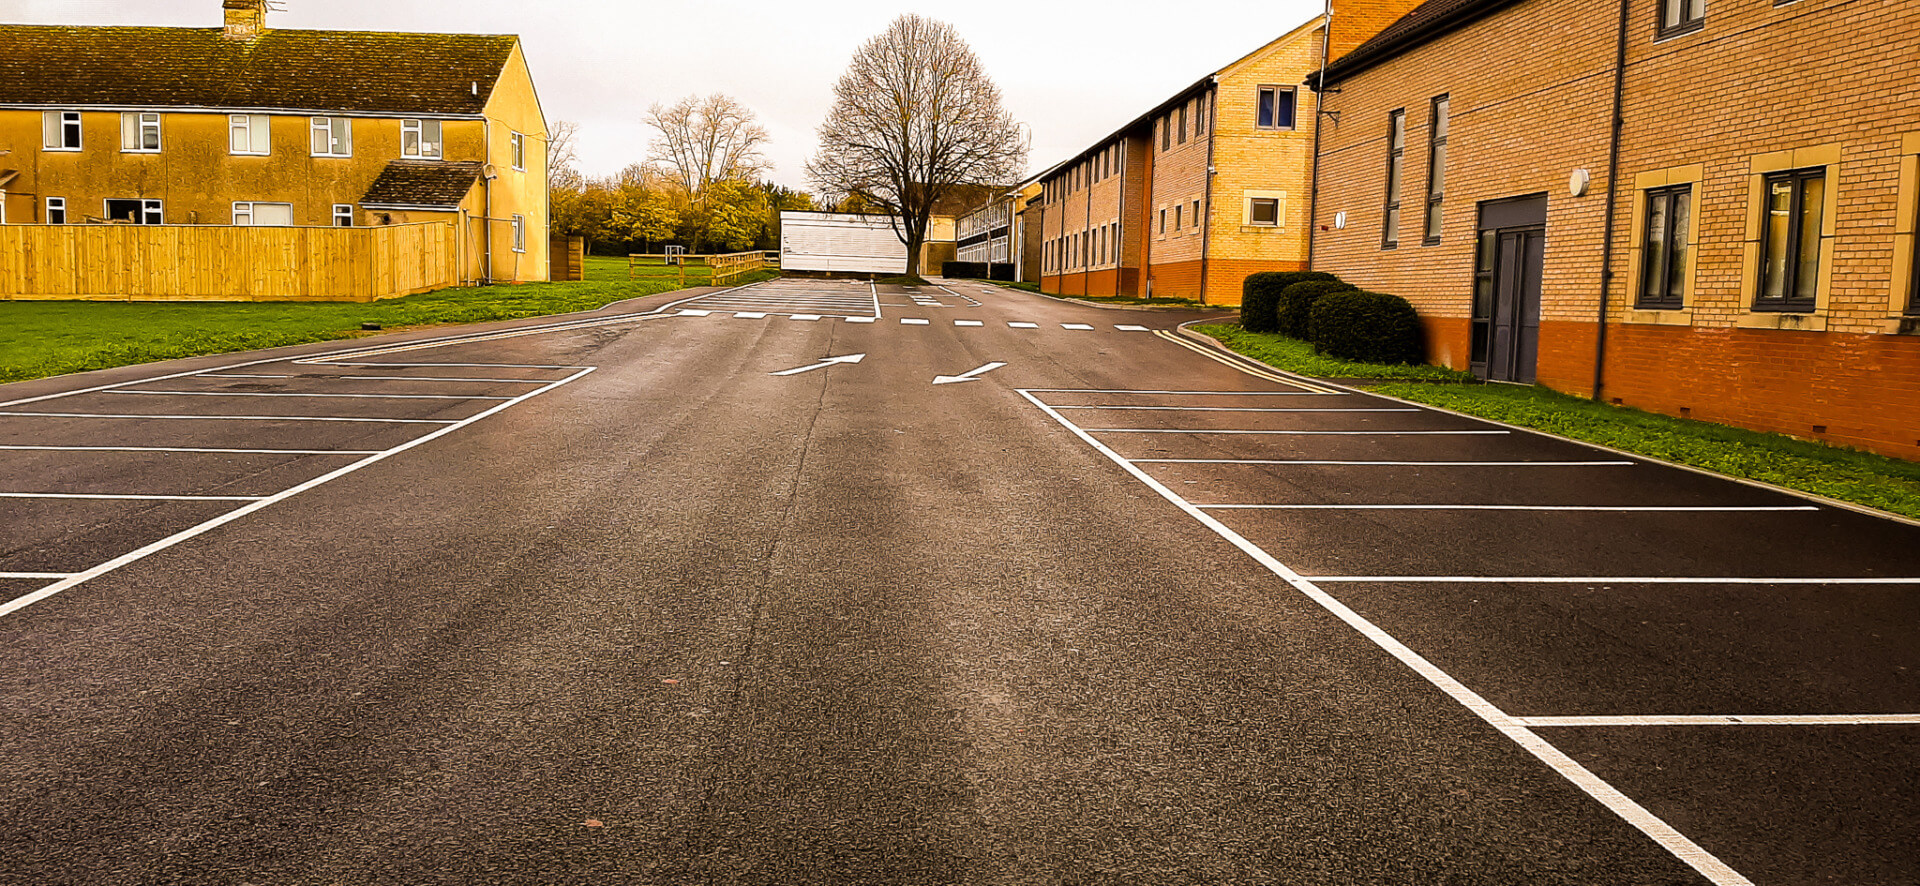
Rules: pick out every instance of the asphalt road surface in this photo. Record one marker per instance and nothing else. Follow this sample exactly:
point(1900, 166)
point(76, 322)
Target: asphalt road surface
point(669, 594)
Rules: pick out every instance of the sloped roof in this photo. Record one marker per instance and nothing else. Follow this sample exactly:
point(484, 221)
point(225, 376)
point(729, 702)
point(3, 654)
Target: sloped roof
point(348, 71)
point(1426, 22)
point(424, 183)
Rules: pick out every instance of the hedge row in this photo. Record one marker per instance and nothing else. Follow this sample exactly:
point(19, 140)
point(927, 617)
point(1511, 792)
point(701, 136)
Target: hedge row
point(1338, 318)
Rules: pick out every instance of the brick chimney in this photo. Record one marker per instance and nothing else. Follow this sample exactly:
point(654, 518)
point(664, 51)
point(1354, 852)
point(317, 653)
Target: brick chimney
point(246, 19)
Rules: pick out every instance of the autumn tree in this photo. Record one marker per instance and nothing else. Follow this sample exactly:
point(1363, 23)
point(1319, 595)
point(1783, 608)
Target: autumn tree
point(705, 140)
point(913, 117)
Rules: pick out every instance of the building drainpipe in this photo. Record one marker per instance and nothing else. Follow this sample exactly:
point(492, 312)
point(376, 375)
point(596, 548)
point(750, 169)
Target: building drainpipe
point(1086, 225)
point(1613, 175)
point(1319, 95)
point(1206, 207)
point(1120, 216)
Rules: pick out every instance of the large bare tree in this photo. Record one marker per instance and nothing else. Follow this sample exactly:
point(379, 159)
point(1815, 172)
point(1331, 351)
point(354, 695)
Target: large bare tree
point(707, 139)
point(914, 117)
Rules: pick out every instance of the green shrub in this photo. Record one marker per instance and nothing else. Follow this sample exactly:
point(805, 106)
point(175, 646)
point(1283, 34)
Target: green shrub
point(1260, 296)
point(1294, 317)
point(1368, 327)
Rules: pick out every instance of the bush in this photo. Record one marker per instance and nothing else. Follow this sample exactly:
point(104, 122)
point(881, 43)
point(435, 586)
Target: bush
point(1293, 317)
point(1260, 296)
point(1367, 327)
point(977, 270)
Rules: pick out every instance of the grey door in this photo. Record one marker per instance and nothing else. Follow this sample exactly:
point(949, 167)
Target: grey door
point(1506, 304)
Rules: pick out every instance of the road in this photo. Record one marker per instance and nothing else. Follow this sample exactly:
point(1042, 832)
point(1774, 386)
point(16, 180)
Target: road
point(668, 594)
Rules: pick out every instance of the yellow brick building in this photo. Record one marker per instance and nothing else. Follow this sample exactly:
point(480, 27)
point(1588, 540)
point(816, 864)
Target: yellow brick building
point(245, 125)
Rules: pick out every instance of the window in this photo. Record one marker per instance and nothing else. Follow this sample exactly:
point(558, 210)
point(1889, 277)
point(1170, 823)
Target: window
point(1263, 211)
point(1275, 107)
point(1196, 214)
point(1163, 219)
point(1200, 116)
point(1176, 215)
point(343, 215)
point(139, 133)
point(1681, 17)
point(56, 210)
point(519, 145)
point(136, 211)
point(519, 233)
point(1181, 131)
point(1396, 150)
point(1436, 168)
point(247, 134)
point(263, 214)
point(1166, 132)
point(1913, 292)
point(61, 130)
point(420, 138)
point(1790, 240)
point(332, 137)
point(1663, 248)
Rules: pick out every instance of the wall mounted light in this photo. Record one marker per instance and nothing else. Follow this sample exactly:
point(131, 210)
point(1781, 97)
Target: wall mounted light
point(1578, 181)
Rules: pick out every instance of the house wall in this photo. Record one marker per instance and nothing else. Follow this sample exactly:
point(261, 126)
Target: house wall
point(1178, 180)
point(1711, 110)
point(514, 107)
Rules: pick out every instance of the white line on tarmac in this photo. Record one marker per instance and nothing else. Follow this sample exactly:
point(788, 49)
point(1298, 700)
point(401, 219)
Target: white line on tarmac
point(804, 317)
point(1603, 580)
point(334, 396)
point(1190, 393)
point(1632, 812)
point(1131, 328)
point(1404, 464)
point(1729, 720)
point(914, 321)
point(77, 578)
point(400, 421)
point(188, 449)
point(860, 319)
point(1302, 433)
point(322, 362)
point(1230, 409)
point(36, 576)
point(503, 381)
point(1078, 327)
point(749, 315)
point(968, 323)
point(1020, 325)
point(79, 496)
point(1447, 507)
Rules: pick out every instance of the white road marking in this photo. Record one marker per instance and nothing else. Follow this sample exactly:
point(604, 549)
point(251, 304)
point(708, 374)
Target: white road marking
point(1404, 464)
point(749, 315)
point(401, 421)
point(1446, 507)
point(860, 319)
point(1192, 393)
point(221, 375)
point(1082, 327)
point(285, 394)
point(830, 361)
point(1300, 433)
point(1231, 409)
point(66, 495)
point(1632, 812)
point(324, 362)
point(1019, 325)
point(78, 578)
point(690, 312)
point(969, 375)
point(1728, 720)
point(36, 576)
point(914, 321)
point(804, 317)
point(1604, 580)
point(969, 323)
point(503, 381)
point(1131, 328)
point(186, 449)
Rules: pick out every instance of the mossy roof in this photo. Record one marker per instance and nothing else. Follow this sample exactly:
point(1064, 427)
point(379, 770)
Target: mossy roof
point(344, 71)
point(423, 183)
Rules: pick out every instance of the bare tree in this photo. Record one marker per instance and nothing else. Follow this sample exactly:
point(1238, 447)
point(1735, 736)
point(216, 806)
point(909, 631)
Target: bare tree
point(705, 140)
point(563, 157)
point(913, 117)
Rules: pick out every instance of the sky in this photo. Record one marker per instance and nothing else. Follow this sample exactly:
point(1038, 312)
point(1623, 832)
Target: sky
point(1072, 72)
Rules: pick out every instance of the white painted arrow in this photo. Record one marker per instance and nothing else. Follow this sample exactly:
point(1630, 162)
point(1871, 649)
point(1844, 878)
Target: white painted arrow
point(966, 376)
point(850, 358)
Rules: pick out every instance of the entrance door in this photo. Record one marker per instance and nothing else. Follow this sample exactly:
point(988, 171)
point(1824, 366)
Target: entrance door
point(1506, 309)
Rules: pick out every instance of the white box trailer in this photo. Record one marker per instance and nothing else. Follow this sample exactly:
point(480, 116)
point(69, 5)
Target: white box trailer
point(840, 243)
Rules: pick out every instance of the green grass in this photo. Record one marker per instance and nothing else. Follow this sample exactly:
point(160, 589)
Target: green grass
point(1294, 355)
point(39, 339)
point(1889, 484)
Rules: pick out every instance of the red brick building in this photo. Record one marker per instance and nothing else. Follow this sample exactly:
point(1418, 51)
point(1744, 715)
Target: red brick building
point(1739, 249)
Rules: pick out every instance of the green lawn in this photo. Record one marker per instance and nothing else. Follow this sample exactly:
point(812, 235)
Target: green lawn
point(39, 339)
point(1876, 481)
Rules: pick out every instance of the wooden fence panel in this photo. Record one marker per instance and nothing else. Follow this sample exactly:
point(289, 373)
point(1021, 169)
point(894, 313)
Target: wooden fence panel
point(221, 263)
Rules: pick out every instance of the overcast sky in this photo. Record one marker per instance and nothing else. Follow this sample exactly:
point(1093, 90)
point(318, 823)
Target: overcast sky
point(1073, 72)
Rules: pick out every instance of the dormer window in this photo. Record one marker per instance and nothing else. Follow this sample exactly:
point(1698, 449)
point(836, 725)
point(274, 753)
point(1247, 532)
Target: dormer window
point(420, 139)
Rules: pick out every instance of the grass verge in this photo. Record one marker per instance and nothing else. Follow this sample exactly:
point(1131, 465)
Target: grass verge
point(44, 338)
point(1849, 475)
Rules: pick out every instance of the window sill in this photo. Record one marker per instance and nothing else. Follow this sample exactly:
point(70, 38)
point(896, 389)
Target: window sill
point(1901, 324)
point(1660, 316)
point(1808, 322)
point(1678, 31)
point(1262, 229)
point(62, 150)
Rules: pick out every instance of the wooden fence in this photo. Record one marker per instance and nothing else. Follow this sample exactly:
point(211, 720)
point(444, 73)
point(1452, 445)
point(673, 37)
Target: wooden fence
point(220, 263)
point(718, 269)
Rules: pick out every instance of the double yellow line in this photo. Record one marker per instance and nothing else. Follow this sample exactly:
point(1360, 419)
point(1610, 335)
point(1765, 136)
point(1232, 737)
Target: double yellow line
point(1259, 373)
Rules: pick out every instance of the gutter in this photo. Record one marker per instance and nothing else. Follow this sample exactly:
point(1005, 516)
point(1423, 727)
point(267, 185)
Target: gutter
point(1319, 116)
point(1206, 227)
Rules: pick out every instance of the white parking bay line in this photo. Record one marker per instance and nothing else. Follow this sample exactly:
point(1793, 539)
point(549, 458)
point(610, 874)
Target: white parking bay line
point(1729, 720)
point(1603, 580)
point(182, 449)
point(1019, 325)
point(804, 317)
point(1182, 393)
point(334, 396)
point(1131, 328)
point(914, 321)
point(86, 497)
point(399, 421)
point(1302, 433)
point(749, 315)
point(1233, 409)
point(969, 323)
point(860, 319)
point(1079, 327)
point(36, 576)
point(690, 312)
point(1446, 507)
point(1400, 464)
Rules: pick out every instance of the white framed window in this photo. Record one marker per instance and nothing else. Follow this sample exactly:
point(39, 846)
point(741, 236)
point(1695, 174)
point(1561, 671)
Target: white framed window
point(332, 137)
point(139, 133)
point(61, 130)
point(343, 215)
point(420, 138)
point(247, 134)
point(519, 233)
point(56, 210)
point(263, 214)
point(135, 210)
point(519, 145)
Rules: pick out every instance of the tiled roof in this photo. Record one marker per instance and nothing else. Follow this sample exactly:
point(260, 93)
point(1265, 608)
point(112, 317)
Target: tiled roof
point(1427, 21)
point(349, 71)
point(423, 183)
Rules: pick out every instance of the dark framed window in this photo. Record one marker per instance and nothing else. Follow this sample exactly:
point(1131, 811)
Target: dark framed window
point(1396, 155)
point(1200, 116)
point(1681, 17)
point(1790, 240)
point(1482, 322)
point(1436, 169)
point(1663, 248)
point(1263, 212)
point(135, 211)
point(1275, 107)
point(1166, 132)
point(1182, 128)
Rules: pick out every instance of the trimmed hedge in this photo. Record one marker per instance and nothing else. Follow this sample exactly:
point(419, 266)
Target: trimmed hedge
point(1293, 317)
point(1367, 327)
point(977, 270)
point(1260, 296)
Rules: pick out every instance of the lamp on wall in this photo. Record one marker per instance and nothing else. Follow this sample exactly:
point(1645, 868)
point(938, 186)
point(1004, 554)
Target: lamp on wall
point(1578, 181)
